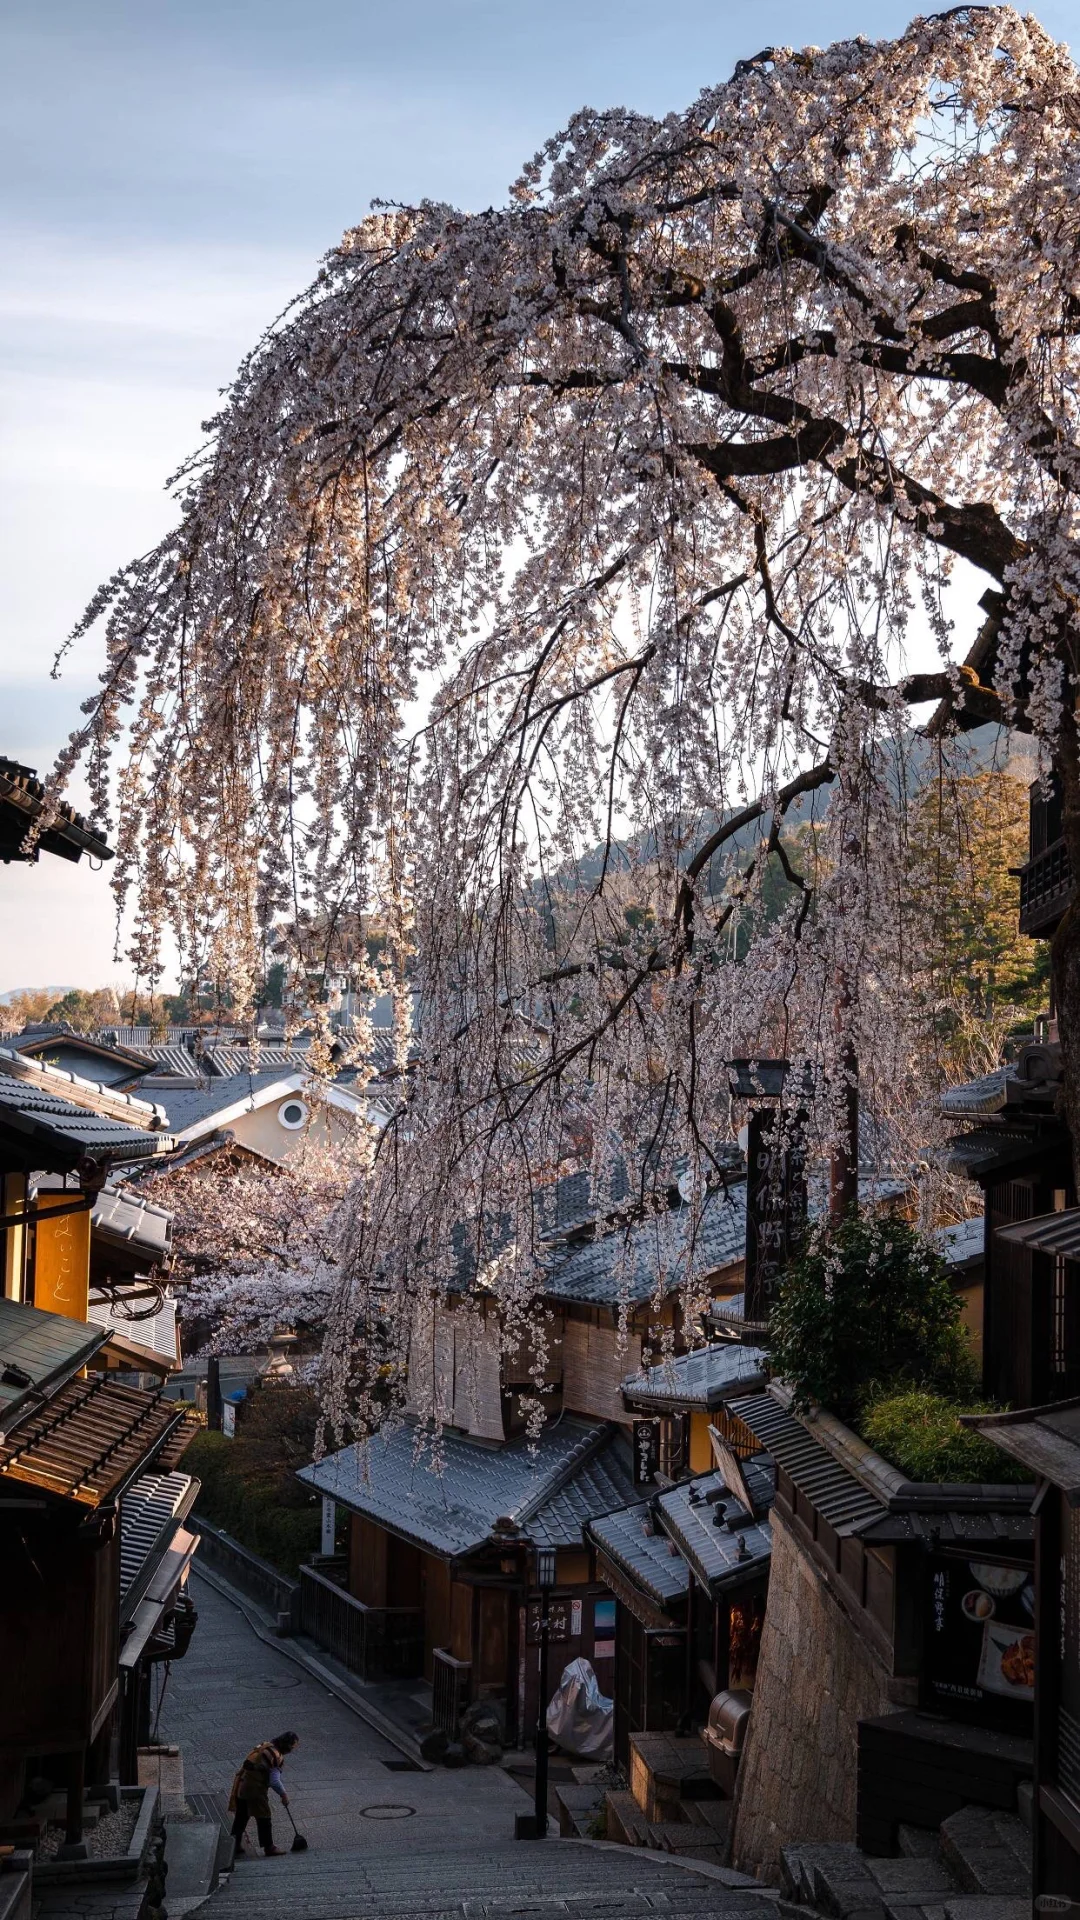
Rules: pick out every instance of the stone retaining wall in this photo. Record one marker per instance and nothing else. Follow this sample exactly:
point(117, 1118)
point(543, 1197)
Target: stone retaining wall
point(816, 1680)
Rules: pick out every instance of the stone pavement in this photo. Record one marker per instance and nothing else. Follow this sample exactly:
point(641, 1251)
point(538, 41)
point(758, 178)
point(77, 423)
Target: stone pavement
point(385, 1843)
point(231, 1690)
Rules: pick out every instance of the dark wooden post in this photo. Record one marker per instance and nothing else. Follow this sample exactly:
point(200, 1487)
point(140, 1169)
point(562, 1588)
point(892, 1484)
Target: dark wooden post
point(844, 1163)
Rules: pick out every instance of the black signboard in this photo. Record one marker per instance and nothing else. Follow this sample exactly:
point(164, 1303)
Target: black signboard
point(646, 1452)
point(775, 1210)
point(980, 1640)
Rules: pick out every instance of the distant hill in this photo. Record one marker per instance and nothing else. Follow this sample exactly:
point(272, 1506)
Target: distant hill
point(13, 992)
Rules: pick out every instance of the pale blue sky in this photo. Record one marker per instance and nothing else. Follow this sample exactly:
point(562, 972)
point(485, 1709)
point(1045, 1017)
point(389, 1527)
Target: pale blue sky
point(173, 171)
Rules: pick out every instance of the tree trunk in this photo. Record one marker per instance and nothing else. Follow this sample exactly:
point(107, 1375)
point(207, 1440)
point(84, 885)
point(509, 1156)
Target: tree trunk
point(1065, 947)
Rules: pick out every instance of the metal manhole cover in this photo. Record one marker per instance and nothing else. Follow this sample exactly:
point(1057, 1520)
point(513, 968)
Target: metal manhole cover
point(386, 1812)
point(278, 1681)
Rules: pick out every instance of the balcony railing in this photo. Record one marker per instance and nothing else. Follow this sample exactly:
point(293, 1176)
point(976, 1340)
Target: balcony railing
point(378, 1643)
point(1046, 887)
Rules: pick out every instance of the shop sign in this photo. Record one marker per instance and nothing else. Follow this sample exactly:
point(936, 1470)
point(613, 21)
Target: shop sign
point(980, 1639)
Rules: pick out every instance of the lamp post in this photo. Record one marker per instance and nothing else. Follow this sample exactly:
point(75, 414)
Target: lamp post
point(545, 1580)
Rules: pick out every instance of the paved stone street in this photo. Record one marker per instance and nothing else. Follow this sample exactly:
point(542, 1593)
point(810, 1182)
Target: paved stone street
point(232, 1690)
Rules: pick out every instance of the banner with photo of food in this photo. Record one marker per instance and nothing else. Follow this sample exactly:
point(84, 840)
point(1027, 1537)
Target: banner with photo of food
point(979, 1645)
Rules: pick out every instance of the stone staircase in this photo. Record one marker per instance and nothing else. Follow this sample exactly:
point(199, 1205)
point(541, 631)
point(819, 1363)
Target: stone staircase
point(540, 1879)
point(977, 1866)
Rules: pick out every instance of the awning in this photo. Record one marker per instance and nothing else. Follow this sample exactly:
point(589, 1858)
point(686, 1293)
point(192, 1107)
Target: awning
point(1045, 1439)
point(39, 1351)
point(1048, 1233)
point(159, 1597)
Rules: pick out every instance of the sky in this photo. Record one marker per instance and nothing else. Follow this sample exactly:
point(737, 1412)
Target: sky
point(174, 170)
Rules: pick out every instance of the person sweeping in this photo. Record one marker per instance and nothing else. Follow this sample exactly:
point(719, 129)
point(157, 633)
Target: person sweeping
point(256, 1779)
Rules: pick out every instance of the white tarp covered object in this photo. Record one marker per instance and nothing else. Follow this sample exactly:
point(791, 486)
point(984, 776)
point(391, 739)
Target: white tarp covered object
point(579, 1716)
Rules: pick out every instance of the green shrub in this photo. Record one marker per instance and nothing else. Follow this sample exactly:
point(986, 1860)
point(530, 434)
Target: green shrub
point(868, 1305)
point(249, 1486)
point(920, 1433)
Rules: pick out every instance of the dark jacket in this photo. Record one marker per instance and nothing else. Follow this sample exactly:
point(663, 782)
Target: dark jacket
point(252, 1783)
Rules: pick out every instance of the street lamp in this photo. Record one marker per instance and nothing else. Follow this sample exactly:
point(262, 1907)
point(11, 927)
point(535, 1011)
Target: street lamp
point(536, 1827)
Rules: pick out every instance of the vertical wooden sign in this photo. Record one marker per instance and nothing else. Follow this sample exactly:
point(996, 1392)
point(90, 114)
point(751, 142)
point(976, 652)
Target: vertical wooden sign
point(62, 1256)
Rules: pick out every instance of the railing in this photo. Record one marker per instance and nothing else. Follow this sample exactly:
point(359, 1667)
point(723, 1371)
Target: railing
point(1045, 888)
point(449, 1690)
point(377, 1643)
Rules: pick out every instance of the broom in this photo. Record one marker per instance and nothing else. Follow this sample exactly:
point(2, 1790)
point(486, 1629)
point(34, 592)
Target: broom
point(299, 1844)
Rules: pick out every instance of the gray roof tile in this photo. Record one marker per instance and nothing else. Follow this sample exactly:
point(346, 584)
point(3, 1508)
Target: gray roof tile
point(453, 1512)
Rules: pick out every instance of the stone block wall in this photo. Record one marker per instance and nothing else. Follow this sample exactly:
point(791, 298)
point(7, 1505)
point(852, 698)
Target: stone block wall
point(816, 1680)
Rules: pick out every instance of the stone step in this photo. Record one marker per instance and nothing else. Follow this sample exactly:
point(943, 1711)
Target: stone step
point(540, 1879)
point(988, 1852)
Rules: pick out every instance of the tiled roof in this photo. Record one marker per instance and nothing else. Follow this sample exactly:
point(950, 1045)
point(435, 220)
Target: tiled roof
point(43, 1347)
point(149, 1513)
point(230, 1061)
point(962, 1244)
point(625, 1265)
point(936, 1528)
point(631, 1539)
point(989, 1094)
point(835, 1493)
point(88, 1442)
point(125, 1220)
point(187, 1106)
point(695, 1515)
point(728, 1312)
point(79, 1091)
point(42, 1123)
point(453, 1512)
point(176, 1060)
point(605, 1481)
point(703, 1378)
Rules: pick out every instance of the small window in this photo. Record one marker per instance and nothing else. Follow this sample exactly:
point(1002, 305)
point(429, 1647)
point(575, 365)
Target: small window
point(293, 1114)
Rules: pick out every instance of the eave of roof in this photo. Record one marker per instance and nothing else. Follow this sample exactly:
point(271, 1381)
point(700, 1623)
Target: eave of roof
point(703, 1379)
point(642, 1555)
point(47, 1348)
point(1054, 1233)
point(482, 1494)
point(68, 834)
point(1046, 1440)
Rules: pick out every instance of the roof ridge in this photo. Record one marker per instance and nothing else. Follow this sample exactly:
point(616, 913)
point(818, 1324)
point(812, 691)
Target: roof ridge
point(89, 1094)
